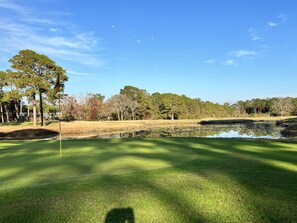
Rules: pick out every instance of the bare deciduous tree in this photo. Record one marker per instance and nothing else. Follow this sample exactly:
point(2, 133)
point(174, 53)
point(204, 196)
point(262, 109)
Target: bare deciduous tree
point(119, 104)
point(282, 106)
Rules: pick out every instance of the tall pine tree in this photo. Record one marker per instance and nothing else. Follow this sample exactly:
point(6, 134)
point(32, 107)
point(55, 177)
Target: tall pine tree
point(36, 74)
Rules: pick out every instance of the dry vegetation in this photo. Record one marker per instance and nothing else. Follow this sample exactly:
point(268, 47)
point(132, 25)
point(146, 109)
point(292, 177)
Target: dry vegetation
point(87, 128)
point(97, 127)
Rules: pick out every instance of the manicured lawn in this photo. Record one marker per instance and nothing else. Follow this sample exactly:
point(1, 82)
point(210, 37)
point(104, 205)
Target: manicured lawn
point(149, 180)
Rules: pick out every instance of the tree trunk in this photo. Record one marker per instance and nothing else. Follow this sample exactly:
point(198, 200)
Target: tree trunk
point(172, 116)
point(2, 114)
point(7, 114)
point(41, 108)
point(34, 110)
point(122, 116)
point(119, 117)
point(21, 107)
point(16, 107)
point(28, 113)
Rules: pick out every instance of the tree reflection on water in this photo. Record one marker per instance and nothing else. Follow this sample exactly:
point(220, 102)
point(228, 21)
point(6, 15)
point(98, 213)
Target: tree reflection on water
point(244, 130)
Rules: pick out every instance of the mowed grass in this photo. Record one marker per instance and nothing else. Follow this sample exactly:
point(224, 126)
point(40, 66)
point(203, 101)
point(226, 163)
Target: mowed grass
point(149, 180)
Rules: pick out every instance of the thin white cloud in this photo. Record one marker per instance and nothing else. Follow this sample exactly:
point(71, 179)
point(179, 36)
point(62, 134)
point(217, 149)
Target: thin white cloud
point(84, 59)
point(272, 24)
point(254, 36)
point(138, 41)
point(53, 29)
point(244, 53)
point(39, 20)
point(280, 19)
point(26, 31)
point(14, 7)
point(283, 17)
point(229, 62)
point(80, 74)
point(210, 61)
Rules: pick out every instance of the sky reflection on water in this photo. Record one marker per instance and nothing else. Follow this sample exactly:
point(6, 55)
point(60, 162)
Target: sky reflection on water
point(238, 134)
point(250, 130)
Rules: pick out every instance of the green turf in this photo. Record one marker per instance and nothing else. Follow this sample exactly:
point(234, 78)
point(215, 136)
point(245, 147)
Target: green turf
point(16, 124)
point(149, 180)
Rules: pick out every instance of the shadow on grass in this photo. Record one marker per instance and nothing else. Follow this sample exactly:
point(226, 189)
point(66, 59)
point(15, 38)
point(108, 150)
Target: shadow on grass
point(28, 134)
point(120, 215)
point(263, 172)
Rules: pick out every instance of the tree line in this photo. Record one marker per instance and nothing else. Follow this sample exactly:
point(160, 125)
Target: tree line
point(28, 91)
point(132, 103)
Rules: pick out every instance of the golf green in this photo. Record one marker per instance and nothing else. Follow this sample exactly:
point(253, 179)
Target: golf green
point(149, 180)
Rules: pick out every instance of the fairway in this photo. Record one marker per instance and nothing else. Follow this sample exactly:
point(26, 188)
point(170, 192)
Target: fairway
point(149, 180)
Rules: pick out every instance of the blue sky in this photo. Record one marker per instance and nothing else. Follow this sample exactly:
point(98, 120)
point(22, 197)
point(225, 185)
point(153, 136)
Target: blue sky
point(221, 51)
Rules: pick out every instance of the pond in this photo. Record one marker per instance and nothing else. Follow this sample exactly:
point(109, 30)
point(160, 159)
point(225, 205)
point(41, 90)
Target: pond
point(247, 130)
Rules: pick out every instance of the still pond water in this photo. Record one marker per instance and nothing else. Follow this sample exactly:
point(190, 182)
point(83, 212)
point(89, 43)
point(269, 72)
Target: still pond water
point(248, 130)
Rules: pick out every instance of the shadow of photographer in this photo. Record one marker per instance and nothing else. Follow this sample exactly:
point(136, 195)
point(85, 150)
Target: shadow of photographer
point(120, 215)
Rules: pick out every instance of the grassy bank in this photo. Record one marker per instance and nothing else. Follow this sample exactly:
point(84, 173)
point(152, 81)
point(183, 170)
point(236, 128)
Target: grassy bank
point(290, 127)
point(150, 180)
point(103, 127)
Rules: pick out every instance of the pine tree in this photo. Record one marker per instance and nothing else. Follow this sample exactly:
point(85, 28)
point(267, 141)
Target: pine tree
point(36, 74)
